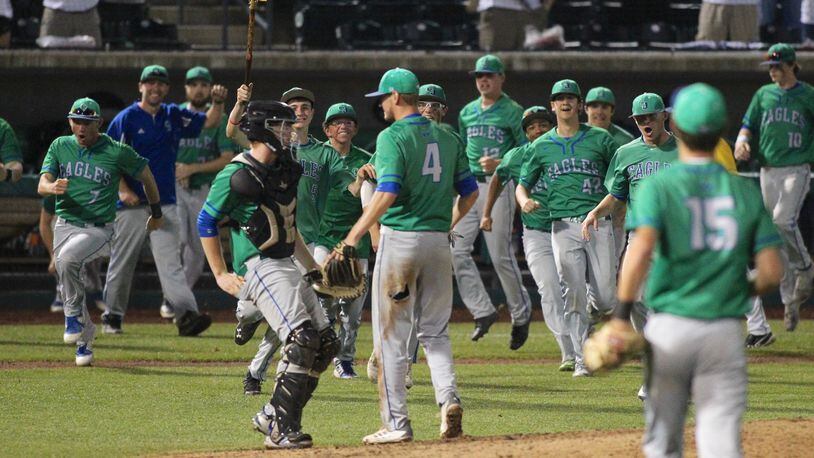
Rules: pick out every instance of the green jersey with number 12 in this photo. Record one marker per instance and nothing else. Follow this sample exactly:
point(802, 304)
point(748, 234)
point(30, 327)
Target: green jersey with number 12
point(491, 132)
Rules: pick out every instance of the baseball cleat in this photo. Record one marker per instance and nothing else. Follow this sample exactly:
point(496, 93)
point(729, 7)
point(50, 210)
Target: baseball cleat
point(166, 311)
point(567, 366)
point(73, 329)
point(245, 331)
point(451, 419)
point(642, 394)
point(57, 306)
point(111, 323)
point(383, 436)
point(791, 317)
point(193, 323)
point(344, 369)
point(251, 385)
point(408, 377)
point(262, 421)
point(580, 370)
point(482, 326)
point(759, 340)
point(84, 351)
point(519, 335)
point(373, 368)
point(294, 439)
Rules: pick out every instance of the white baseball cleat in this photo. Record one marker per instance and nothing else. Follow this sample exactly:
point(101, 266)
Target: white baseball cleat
point(166, 311)
point(642, 394)
point(580, 370)
point(373, 368)
point(383, 436)
point(451, 416)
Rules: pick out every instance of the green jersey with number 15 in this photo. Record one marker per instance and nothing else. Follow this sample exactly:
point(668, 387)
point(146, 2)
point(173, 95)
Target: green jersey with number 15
point(421, 163)
point(491, 132)
point(574, 168)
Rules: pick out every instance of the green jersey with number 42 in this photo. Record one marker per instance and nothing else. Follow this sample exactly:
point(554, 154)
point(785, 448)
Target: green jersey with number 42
point(421, 163)
point(491, 132)
point(574, 168)
point(710, 223)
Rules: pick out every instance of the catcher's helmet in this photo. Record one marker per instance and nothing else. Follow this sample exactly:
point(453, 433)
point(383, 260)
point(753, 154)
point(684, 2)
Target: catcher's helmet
point(261, 116)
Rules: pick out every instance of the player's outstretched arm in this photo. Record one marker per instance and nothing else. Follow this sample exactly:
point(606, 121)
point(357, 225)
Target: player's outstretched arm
point(495, 187)
point(208, 232)
point(156, 219)
point(244, 94)
point(609, 205)
point(48, 185)
point(378, 205)
point(462, 206)
point(215, 111)
point(769, 268)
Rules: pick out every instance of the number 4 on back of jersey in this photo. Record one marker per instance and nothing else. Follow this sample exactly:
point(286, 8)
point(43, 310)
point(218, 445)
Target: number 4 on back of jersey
point(432, 163)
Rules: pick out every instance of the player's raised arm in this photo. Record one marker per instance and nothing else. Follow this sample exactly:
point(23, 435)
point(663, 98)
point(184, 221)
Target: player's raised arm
point(215, 111)
point(244, 94)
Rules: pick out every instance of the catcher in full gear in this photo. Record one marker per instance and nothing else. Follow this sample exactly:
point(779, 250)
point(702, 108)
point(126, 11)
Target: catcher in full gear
point(258, 192)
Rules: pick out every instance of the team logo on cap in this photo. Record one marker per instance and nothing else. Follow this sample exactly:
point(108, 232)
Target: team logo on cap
point(431, 90)
point(644, 105)
point(343, 109)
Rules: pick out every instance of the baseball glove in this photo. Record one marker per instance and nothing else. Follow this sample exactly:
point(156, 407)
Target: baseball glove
point(609, 347)
point(342, 276)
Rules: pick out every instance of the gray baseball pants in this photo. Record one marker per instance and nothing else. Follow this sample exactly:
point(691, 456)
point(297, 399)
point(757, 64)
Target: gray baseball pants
point(575, 256)
point(412, 279)
point(165, 245)
point(190, 202)
point(702, 359)
point(784, 189)
point(540, 259)
point(499, 244)
point(74, 248)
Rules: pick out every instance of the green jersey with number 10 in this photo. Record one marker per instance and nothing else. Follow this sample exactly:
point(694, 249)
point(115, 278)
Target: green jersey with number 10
point(491, 132)
point(421, 163)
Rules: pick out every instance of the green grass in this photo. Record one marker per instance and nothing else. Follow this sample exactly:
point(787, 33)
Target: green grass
point(184, 408)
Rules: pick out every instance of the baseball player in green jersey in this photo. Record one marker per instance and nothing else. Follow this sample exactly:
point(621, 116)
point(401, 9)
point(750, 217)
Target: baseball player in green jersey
point(199, 160)
point(699, 227)
point(536, 232)
point(258, 190)
point(342, 210)
point(780, 118)
point(490, 126)
point(419, 168)
point(432, 104)
point(11, 158)
point(573, 160)
point(600, 105)
point(83, 171)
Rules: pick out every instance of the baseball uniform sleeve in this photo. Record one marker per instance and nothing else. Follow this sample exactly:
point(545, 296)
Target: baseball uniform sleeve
point(130, 163)
point(532, 168)
point(389, 164)
point(751, 120)
point(647, 211)
point(218, 201)
point(186, 123)
point(50, 164)
point(615, 180)
point(9, 148)
point(509, 165)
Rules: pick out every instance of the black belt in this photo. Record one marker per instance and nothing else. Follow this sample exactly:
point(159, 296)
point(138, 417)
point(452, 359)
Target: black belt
point(83, 225)
point(481, 178)
point(579, 219)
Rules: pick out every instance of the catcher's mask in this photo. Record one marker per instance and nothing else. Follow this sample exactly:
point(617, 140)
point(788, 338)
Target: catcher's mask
point(270, 122)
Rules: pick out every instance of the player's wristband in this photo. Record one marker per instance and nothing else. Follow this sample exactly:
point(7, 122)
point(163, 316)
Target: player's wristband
point(742, 139)
point(622, 311)
point(234, 123)
point(155, 210)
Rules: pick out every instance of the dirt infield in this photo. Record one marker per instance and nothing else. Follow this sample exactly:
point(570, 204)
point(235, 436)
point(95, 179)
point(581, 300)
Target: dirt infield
point(769, 438)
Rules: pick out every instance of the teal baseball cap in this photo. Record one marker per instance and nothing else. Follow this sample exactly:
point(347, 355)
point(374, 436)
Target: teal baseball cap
point(340, 110)
point(778, 53)
point(489, 63)
point(565, 87)
point(85, 108)
point(155, 72)
point(198, 73)
point(647, 103)
point(600, 94)
point(536, 112)
point(432, 93)
point(699, 109)
point(396, 79)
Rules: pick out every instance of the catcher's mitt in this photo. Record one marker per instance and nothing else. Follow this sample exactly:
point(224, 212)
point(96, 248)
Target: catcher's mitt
point(609, 347)
point(342, 276)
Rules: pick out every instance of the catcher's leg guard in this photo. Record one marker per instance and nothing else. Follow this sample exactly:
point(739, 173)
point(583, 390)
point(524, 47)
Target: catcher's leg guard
point(329, 346)
point(292, 388)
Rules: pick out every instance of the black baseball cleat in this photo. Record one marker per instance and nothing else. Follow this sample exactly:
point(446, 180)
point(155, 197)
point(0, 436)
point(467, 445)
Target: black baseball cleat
point(245, 331)
point(759, 340)
point(482, 326)
point(192, 323)
point(111, 323)
point(251, 385)
point(519, 335)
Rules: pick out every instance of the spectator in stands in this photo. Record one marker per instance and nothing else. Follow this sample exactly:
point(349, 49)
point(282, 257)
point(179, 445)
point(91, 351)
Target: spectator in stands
point(70, 18)
point(503, 22)
point(807, 23)
point(6, 13)
point(11, 158)
point(728, 20)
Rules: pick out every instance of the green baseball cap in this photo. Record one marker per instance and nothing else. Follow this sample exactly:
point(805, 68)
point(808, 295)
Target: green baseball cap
point(396, 79)
point(340, 110)
point(432, 93)
point(85, 108)
point(297, 93)
point(647, 103)
point(600, 94)
point(780, 52)
point(155, 72)
point(565, 87)
point(536, 112)
point(198, 73)
point(489, 63)
point(699, 109)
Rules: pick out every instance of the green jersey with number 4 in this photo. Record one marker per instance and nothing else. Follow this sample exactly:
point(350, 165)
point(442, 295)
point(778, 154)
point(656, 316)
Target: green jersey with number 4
point(491, 132)
point(204, 148)
point(93, 176)
point(342, 209)
point(574, 168)
point(509, 169)
point(421, 163)
point(711, 223)
point(322, 170)
point(634, 162)
point(783, 121)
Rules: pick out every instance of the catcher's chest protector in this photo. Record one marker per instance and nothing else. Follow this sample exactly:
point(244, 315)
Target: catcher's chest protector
point(272, 226)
